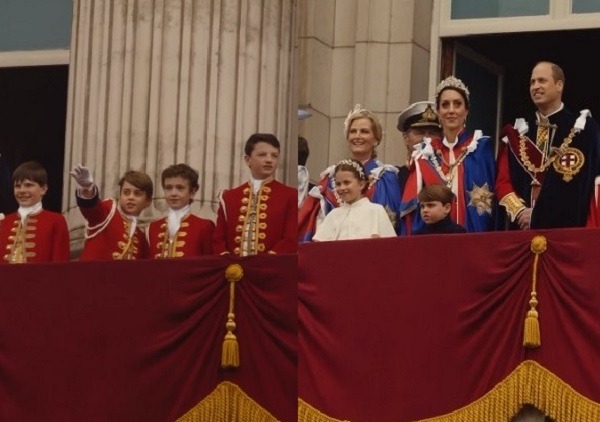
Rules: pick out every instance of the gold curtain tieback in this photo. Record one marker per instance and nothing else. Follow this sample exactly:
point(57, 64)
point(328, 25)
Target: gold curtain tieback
point(531, 334)
point(230, 358)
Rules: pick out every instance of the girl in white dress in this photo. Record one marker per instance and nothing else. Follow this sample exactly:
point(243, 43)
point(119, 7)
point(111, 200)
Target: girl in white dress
point(357, 217)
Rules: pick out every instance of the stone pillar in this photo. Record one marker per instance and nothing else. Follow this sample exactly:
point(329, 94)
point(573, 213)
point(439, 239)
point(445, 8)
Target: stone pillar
point(372, 52)
point(157, 82)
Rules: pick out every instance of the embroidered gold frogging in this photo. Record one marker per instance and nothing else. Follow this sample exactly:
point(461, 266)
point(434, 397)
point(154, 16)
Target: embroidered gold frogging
point(129, 246)
point(170, 247)
point(23, 241)
point(251, 223)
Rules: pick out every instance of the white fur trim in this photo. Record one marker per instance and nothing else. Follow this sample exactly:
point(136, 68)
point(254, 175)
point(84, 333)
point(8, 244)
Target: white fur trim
point(580, 122)
point(521, 126)
point(378, 171)
point(315, 192)
point(328, 171)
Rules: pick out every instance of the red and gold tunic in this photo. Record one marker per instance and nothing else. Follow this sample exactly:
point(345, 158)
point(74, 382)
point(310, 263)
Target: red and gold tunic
point(43, 237)
point(266, 222)
point(107, 232)
point(194, 238)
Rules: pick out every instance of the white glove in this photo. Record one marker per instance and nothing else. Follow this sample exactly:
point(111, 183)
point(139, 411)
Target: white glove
point(82, 176)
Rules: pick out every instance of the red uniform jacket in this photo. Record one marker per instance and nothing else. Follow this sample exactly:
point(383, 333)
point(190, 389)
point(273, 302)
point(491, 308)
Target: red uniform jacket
point(276, 224)
point(194, 238)
point(45, 238)
point(107, 234)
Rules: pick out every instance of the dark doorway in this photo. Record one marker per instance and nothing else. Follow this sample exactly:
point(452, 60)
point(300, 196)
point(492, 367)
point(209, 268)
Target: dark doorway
point(33, 109)
point(517, 53)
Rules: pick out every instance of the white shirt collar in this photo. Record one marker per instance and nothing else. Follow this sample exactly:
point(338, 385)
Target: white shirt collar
point(256, 183)
point(449, 144)
point(132, 218)
point(540, 115)
point(174, 219)
point(24, 212)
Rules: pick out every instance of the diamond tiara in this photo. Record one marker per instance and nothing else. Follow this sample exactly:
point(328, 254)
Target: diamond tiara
point(354, 164)
point(452, 82)
point(358, 109)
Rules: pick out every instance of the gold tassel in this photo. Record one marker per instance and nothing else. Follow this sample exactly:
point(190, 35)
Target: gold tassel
point(230, 357)
point(231, 350)
point(531, 333)
point(531, 337)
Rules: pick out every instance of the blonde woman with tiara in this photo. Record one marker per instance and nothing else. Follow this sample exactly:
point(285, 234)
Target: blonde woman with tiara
point(364, 133)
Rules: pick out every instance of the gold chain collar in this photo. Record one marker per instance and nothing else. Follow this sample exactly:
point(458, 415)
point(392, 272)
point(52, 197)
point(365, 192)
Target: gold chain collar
point(554, 153)
point(448, 177)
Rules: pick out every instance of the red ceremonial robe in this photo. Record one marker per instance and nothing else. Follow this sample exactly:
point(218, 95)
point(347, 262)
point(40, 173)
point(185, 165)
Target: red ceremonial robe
point(107, 234)
point(194, 238)
point(45, 238)
point(275, 222)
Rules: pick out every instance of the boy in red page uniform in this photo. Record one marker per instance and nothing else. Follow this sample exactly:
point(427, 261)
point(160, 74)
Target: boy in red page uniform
point(180, 233)
point(261, 215)
point(32, 234)
point(112, 230)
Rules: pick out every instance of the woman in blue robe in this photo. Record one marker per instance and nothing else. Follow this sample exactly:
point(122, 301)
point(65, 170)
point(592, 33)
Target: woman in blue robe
point(364, 133)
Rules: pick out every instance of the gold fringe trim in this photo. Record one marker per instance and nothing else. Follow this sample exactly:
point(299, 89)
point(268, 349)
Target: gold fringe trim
point(230, 357)
point(307, 413)
point(530, 383)
point(227, 403)
point(531, 331)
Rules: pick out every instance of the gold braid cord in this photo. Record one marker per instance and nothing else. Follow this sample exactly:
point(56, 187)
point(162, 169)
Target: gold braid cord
point(230, 358)
point(530, 383)
point(227, 402)
point(531, 332)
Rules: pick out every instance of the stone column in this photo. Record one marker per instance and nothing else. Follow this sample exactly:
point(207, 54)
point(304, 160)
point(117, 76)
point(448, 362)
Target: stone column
point(157, 82)
point(373, 52)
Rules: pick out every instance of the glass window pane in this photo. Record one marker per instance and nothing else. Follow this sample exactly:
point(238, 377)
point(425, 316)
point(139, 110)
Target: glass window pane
point(473, 9)
point(35, 24)
point(586, 6)
point(483, 101)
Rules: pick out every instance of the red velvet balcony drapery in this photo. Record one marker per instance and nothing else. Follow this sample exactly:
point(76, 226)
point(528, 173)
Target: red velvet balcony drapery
point(142, 341)
point(406, 329)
